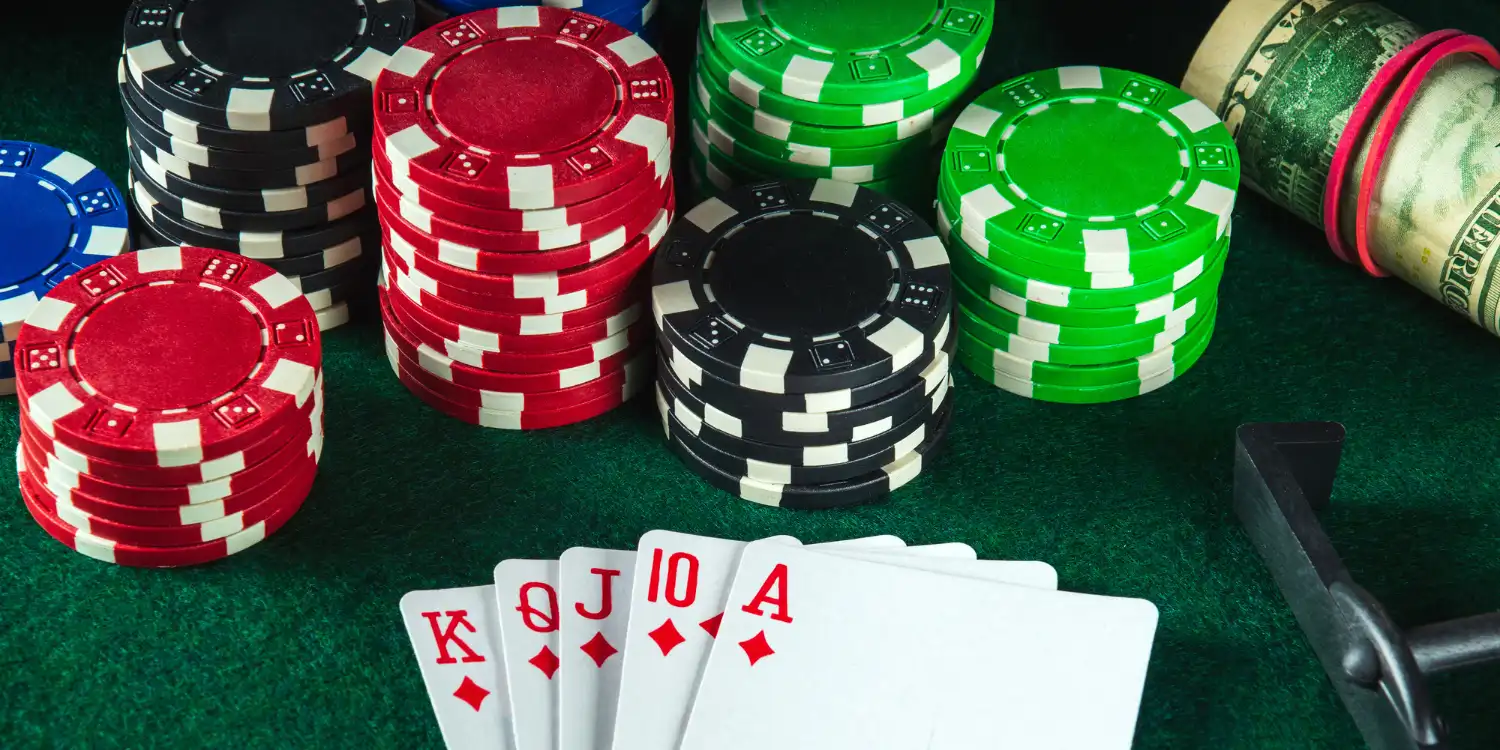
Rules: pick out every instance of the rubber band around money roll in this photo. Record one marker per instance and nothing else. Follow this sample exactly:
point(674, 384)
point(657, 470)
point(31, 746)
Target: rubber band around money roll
point(1389, 76)
point(1385, 131)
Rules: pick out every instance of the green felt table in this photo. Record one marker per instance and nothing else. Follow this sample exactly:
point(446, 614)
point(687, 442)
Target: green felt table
point(297, 643)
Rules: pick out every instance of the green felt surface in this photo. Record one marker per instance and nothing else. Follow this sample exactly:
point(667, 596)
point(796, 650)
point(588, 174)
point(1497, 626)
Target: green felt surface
point(297, 643)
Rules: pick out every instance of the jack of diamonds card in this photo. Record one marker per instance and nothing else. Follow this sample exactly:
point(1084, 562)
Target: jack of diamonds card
point(594, 586)
point(456, 636)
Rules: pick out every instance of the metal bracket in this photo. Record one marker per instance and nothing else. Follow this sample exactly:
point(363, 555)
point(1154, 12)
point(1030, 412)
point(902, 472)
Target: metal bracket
point(1283, 475)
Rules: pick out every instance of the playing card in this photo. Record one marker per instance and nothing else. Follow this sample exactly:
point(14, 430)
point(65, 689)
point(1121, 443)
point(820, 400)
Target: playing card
point(680, 582)
point(830, 652)
point(526, 593)
point(1019, 572)
point(594, 586)
point(456, 635)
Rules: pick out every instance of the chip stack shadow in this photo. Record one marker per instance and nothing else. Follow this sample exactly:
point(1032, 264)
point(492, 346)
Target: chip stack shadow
point(171, 405)
point(1088, 213)
point(516, 227)
point(248, 126)
point(804, 341)
point(803, 90)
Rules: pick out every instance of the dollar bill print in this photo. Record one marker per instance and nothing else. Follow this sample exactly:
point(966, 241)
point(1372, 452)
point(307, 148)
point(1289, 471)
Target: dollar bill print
point(1285, 76)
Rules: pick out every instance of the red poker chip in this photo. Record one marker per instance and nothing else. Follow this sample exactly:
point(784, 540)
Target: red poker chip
point(173, 536)
point(168, 357)
point(180, 476)
point(421, 384)
point(635, 371)
point(61, 479)
point(630, 218)
point(155, 557)
point(605, 289)
point(448, 369)
point(522, 343)
point(535, 285)
point(509, 220)
point(247, 505)
point(510, 323)
point(540, 144)
point(464, 256)
point(633, 336)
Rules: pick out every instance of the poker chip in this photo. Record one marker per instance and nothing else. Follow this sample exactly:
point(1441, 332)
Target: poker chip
point(171, 405)
point(804, 341)
point(790, 90)
point(60, 215)
point(258, 142)
point(288, 64)
point(541, 146)
point(858, 490)
point(515, 229)
point(1098, 282)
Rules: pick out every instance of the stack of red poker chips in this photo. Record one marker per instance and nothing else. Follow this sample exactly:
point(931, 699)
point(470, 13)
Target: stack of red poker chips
point(522, 173)
point(171, 406)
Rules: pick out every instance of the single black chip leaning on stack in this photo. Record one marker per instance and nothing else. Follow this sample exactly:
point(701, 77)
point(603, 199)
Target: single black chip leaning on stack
point(249, 130)
point(805, 330)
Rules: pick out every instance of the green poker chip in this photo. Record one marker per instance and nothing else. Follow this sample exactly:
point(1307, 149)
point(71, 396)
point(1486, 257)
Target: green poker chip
point(984, 295)
point(852, 51)
point(758, 96)
point(1053, 333)
point(983, 329)
point(1094, 170)
point(1181, 358)
point(1012, 256)
point(978, 270)
point(722, 173)
point(844, 165)
point(724, 105)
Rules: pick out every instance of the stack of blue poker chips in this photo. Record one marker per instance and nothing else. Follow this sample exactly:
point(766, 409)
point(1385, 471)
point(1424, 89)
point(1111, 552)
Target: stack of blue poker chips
point(636, 16)
point(58, 215)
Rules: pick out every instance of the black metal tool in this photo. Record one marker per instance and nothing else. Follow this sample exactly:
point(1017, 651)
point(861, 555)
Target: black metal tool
point(1283, 475)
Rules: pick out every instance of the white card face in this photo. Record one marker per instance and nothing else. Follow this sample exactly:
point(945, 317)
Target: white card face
point(848, 654)
point(680, 584)
point(456, 635)
point(526, 593)
point(594, 586)
point(1019, 572)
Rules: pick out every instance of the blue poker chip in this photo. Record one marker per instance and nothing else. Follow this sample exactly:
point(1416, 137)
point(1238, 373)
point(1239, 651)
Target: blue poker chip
point(58, 214)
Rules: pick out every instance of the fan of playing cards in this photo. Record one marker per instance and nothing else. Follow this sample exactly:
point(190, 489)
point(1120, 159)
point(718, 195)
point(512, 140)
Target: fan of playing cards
point(710, 644)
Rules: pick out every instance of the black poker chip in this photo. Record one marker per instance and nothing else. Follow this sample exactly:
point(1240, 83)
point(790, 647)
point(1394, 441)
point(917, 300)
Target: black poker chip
point(254, 221)
point(802, 286)
point(265, 65)
point(862, 489)
point(713, 389)
point(349, 162)
point(249, 201)
point(357, 120)
point(790, 455)
point(146, 134)
point(259, 245)
point(923, 395)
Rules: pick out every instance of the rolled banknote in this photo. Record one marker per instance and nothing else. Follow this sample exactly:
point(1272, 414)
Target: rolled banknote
point(1285, 75)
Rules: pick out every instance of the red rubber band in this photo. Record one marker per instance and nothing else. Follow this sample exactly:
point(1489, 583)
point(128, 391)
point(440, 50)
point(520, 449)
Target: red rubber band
point(1390, 74)
point(1386, 131)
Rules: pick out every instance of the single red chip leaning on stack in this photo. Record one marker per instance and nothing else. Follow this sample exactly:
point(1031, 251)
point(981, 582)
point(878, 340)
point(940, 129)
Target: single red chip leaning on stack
point(522, 168)
point(171, 406)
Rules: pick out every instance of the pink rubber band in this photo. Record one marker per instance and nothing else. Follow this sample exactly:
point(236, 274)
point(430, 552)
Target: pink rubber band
point(1385, 132)
point(1390, 74)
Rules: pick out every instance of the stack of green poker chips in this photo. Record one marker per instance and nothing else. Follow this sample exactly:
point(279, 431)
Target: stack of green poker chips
point(1087, 213)
point(862, 91)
